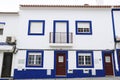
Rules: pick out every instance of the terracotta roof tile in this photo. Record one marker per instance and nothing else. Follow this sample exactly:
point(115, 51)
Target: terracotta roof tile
point(78, 6)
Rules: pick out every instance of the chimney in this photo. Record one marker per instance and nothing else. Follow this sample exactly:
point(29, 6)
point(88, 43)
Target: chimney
point(100, 2)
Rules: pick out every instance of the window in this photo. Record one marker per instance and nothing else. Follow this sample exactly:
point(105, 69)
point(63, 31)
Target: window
point(61, 32)
point(34, 59)
point(83, 27)
point(36, 27)
point(84, 59)
point(2, 24)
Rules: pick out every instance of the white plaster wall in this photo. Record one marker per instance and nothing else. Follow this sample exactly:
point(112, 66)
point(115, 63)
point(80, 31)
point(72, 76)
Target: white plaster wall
point(116, 61)
point(1, 61)
point(102, 37)
point(98, 60)
point(13, 64)
point(11, 26)
point(48, 60)
point(72, 60)
point(20, 60)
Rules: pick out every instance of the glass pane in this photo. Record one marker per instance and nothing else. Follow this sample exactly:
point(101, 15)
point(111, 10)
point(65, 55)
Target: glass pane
point(31, 59)
point(38, 60)
point(80, 29)
point(86, 29)
point(1, 31)
point(88, 60)
point(81, 60)
point(60, 59)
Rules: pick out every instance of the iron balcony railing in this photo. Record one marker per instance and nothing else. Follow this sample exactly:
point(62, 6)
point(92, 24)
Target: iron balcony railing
point(61, 37)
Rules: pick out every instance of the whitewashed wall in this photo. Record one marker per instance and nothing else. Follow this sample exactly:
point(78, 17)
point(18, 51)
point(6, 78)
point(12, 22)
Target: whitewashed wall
point(1, 61)
point(20, 60)
point(102, 37)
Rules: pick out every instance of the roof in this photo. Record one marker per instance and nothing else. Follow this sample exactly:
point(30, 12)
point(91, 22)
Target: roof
point(9, 12)
point(72, 6)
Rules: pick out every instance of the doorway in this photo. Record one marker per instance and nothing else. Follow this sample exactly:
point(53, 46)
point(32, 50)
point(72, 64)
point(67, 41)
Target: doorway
point(60, 64)
point(7, 64)
point(108, 64)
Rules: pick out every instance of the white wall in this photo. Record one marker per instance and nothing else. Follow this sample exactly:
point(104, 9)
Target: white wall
point(102, 37)
point(1, 61)
point(20, 60)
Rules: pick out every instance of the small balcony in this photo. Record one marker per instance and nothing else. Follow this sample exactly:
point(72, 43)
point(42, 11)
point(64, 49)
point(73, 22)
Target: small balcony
point(61, 39)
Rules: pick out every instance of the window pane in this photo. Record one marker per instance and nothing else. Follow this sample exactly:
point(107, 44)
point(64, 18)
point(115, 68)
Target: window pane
point(86, 29)
point(88, 60)
point(31, 60)
point(38, 60)
point(1, 31)
point(81, 60)
point(80, 29)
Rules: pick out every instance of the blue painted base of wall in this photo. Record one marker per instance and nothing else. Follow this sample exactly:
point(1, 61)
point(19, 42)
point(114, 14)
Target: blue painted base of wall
point(37, 74)
point(117, 73)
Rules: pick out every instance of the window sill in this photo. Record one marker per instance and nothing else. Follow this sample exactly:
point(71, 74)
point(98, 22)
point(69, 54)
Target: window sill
point(61, 44)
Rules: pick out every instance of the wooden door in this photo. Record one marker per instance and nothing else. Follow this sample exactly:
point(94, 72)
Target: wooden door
point(108, 64)
point(60, 64)
point(7, 63)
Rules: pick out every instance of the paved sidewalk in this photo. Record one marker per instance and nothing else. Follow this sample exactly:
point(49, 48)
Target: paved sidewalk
point(97, 78)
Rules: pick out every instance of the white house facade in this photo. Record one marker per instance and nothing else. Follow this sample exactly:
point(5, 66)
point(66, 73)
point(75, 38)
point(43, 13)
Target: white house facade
point(60, 41)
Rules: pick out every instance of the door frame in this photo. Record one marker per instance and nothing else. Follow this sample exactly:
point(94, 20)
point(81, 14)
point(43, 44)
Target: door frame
point(113, 61)
point(118, 61)
point(66, 54)
point(4, 61)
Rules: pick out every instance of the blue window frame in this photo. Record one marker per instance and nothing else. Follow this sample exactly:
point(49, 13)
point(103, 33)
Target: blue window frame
point(84, 59)
point(34, 58)
point(1, 27)
point(36, 27)
point(83, 27)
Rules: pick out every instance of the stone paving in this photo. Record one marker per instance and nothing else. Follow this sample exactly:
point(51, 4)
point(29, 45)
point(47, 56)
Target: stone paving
point(97, 78)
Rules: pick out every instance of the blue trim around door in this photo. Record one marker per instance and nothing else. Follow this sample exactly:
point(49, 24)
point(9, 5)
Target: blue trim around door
point(54, 29)
point(66, 53)
point(113, 60)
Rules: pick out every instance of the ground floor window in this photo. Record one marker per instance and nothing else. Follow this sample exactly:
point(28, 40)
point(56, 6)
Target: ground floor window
point(34, 58)
point(84, 59)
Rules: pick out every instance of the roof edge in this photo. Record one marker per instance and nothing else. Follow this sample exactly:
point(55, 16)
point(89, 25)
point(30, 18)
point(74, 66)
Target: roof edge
point(76, 6)
point(9, 12)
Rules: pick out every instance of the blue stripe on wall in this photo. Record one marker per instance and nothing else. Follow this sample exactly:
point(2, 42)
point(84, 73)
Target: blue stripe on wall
point(38, 74)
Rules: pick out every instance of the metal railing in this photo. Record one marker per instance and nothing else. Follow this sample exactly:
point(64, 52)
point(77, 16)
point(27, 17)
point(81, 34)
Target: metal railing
point(61, 37)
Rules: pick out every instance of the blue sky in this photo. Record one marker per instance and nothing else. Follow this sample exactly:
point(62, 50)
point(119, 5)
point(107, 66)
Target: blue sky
point(13, 5)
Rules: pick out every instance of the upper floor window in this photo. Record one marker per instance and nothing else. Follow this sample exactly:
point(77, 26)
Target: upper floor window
point(2, 24)
point(83, 27)
point(36, 27)
point(34, 59)
point(84, 59)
